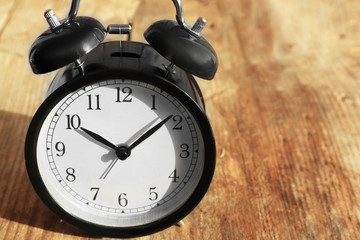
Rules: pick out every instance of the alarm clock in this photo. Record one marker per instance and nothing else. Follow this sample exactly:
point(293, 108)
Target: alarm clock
point(121, 145)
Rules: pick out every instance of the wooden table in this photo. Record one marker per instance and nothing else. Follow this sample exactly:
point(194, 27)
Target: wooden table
point(284, 106)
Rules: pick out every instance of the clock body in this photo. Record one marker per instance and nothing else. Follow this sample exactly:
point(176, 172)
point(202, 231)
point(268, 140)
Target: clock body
point(121, 147)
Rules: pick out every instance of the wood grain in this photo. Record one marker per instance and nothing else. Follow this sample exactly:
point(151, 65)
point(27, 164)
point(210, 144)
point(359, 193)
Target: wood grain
point(284, 106)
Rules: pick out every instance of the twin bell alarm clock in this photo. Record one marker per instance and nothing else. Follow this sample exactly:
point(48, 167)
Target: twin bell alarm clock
point(121, 146)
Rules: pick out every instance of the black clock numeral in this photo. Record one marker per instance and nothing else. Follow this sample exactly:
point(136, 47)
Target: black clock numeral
point(97, 102)
point(124, 95)
point(153, 106)
point(153, 194)
point(73, 121)
point(70, 177)
point(96, 190)
point(174, 176)
point(178, 120)
point(60, 148)
point(185, 150)
point(123, 202)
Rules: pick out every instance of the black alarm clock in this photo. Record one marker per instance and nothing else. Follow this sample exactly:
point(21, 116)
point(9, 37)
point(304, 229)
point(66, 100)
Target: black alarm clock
point(121, 146)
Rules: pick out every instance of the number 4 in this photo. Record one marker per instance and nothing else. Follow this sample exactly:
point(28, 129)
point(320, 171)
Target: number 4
point(174, 176)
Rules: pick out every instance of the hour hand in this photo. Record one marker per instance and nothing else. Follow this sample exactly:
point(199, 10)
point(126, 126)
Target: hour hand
point(99, 138)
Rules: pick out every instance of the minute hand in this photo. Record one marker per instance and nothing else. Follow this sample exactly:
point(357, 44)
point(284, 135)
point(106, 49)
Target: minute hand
point(149, 132)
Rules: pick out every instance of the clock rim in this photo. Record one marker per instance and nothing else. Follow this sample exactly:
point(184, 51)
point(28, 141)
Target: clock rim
point(134, 231)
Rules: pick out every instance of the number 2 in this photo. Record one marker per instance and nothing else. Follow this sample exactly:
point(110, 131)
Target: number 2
point(177, 119)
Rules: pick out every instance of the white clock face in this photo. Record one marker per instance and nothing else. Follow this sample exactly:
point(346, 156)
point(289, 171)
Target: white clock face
point(120, 153)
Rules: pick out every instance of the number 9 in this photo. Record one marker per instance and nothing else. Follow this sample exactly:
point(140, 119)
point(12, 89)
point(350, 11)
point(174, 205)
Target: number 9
point(60, 147)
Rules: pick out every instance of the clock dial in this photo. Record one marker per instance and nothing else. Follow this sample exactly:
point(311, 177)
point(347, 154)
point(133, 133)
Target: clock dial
point(120, 153)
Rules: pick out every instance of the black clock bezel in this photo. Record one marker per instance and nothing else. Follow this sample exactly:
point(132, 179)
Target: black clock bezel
point(123, 232)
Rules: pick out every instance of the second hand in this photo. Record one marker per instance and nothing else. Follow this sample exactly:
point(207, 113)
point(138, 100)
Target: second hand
point(108, 169)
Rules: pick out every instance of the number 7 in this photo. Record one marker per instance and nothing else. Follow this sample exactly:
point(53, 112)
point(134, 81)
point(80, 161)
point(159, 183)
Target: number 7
point(96, 192)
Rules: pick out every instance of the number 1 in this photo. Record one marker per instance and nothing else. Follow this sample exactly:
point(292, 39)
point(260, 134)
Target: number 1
point(153, 107)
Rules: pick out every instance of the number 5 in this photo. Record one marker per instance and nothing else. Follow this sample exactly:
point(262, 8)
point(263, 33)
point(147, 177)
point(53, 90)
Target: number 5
point(153, 194)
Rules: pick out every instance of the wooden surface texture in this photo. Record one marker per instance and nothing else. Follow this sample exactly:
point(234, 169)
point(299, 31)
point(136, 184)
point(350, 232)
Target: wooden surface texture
point(284, 106)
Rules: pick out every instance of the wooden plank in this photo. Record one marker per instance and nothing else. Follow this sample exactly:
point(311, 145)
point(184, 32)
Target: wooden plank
point(284, 107)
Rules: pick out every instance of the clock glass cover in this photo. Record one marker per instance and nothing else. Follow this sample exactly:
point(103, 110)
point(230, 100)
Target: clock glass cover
point(120, 153)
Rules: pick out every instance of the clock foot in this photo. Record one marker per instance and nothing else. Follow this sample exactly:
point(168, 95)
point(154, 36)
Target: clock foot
point(180, 224)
